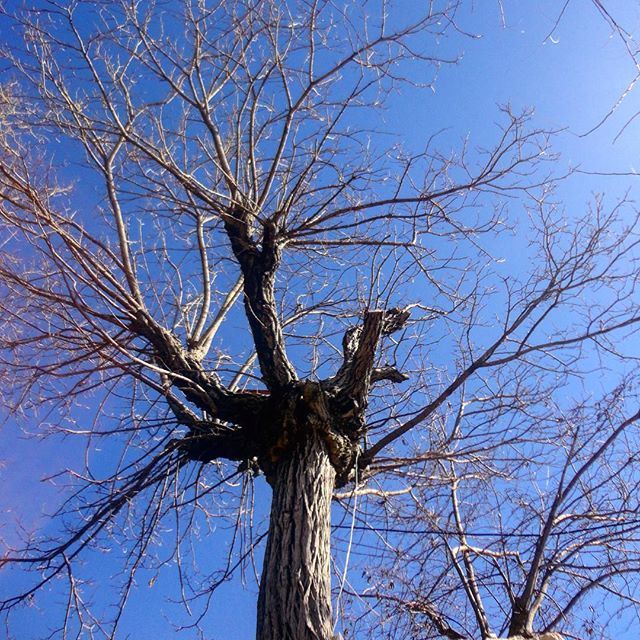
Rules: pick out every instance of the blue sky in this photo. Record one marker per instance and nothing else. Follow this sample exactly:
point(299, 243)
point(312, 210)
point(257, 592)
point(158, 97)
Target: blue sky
point(571, 78)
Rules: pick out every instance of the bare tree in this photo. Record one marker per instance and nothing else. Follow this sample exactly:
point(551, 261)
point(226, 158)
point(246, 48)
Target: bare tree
point(517, 511)
point(522, 540)
point(200, 223)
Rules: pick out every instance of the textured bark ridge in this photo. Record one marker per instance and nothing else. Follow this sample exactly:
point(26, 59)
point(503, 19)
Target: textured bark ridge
point(295, 589)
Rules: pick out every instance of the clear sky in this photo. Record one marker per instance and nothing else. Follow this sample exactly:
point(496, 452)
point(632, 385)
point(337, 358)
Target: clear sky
point(571, 75)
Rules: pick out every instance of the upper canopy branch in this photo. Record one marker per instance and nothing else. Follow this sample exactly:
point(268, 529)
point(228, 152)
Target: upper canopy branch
point(259, 266)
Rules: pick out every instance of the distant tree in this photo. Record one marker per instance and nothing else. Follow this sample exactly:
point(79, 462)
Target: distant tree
point(200, 222)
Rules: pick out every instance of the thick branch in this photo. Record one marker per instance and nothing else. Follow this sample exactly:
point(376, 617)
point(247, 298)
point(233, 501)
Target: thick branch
point(359, 346)
point(259, 266)
point(199, 386)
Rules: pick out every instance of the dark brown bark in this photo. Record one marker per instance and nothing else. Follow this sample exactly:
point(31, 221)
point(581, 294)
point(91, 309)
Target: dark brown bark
point(295, 588)
point(259, 266)
point(521, 620)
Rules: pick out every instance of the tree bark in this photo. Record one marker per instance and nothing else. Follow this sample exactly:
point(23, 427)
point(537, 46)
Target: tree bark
point(295, 588)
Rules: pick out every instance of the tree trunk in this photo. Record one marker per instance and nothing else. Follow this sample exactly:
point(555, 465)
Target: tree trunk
point(295, 588)
point(521, 624)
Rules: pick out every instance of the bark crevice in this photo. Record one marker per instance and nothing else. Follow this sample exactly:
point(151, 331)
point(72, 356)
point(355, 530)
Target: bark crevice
point(295, 588)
